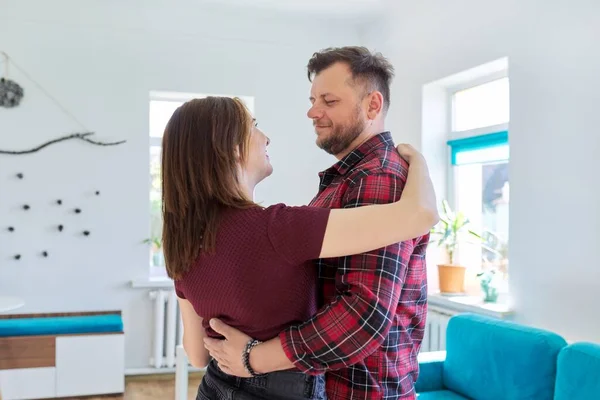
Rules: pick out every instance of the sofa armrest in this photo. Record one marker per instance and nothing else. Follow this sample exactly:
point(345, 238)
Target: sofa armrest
point(431, 371)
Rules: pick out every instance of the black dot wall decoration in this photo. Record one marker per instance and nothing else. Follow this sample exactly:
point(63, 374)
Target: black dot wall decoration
point(11, 94)
point(60, 227)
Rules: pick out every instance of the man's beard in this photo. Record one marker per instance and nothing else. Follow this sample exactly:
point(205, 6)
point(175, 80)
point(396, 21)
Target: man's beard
point(341, 137)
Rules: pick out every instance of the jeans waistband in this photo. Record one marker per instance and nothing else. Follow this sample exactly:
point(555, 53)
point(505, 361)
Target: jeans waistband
point(281, 384)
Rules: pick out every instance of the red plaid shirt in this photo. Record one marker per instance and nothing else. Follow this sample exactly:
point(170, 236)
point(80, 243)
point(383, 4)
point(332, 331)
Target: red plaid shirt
point(367, 336)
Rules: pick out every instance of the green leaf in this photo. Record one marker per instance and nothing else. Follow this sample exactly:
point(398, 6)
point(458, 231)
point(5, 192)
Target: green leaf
point(447, 210)
point(446, 236)
point(478, 236)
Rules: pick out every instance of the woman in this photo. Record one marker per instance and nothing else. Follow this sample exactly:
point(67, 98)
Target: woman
point(249, 265)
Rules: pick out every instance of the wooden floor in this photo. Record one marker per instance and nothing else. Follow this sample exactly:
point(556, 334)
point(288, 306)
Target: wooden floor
point(155, 387)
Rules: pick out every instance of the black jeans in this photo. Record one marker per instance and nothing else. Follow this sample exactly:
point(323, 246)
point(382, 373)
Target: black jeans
point(282, 385)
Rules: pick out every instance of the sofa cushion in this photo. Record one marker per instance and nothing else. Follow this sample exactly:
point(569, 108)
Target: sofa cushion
point(440, 395)
point(431, 371)
point(494, 359)
point(61, 325)
point(578, 373)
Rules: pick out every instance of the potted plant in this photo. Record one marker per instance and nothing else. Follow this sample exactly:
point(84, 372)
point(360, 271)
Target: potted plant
point(489, 286)
point(452, 229)
point(495, 265)
point(156, 251)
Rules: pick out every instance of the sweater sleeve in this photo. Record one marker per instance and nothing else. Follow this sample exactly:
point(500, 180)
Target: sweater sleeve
point(297, 233)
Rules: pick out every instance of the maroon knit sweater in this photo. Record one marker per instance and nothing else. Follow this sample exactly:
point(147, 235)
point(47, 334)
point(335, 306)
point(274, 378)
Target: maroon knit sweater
point(259, 279)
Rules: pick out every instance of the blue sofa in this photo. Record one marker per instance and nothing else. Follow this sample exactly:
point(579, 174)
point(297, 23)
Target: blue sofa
point(487, 358)
point(578, 373)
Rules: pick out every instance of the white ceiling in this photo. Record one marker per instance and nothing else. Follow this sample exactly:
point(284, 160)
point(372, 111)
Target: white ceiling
point(322, 8)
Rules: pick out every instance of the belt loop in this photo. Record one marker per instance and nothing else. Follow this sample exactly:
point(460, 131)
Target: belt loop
point(309, 387)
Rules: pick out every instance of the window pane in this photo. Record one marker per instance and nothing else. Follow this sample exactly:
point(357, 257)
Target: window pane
point(160, 112)
point(483, 195)
point(155, 192)
point(483, 105)
point(156, 256)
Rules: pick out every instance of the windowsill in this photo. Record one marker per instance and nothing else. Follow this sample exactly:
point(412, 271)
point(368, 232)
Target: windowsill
point(152, 283)
point(472, 304)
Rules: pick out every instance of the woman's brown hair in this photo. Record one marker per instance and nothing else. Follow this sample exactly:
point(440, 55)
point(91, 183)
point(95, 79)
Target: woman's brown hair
point(203, 144)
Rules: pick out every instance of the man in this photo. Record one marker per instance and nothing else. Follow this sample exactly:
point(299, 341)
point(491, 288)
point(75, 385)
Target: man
point(368, 333)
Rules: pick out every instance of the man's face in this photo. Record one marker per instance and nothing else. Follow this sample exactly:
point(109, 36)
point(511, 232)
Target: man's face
point(337, 109)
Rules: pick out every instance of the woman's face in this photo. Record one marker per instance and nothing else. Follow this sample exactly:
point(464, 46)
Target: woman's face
point(258, 166)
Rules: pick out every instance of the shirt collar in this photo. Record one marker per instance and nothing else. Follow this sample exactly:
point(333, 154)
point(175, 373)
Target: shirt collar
point(356, 155)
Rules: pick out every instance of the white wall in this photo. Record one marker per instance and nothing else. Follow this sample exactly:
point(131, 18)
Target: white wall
point(554, 61)
point(101, 59)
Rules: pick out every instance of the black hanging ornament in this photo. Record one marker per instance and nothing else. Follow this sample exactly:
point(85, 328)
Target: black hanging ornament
point(20, 175)
point(60, 228)
point(86, 233)
point(26, 207)
point(97, 193)
point(59, 202)
point(10, 93)
point(77, 211)
point(17, 256)
point(11, 229)
point(45, 253)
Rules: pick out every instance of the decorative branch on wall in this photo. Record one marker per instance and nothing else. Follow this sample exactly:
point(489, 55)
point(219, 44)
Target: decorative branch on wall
point(81, 136)
point(84, 135)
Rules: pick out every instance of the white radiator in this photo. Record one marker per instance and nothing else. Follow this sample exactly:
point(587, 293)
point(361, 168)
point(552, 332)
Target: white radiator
point(168, 328)
point(435, 329)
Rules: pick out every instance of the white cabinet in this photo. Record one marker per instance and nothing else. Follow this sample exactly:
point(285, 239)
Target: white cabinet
point(85, 365)
point(28, 383)
point(90, 364)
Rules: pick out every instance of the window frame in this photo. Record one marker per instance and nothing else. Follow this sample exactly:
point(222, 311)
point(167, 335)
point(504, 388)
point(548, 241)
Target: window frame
point(453, 135)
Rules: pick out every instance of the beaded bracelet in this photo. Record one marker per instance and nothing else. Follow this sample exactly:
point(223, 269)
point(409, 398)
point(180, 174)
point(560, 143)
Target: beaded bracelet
point(246, 356)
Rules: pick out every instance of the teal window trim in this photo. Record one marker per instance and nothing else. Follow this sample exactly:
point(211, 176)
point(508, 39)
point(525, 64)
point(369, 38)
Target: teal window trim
point(473, 143)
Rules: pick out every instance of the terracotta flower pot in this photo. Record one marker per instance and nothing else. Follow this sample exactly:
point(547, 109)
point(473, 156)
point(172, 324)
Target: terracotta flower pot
point(452, 278)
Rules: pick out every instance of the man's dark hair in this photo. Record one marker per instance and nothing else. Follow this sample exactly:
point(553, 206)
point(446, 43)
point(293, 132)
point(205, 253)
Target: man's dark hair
point(372, 70)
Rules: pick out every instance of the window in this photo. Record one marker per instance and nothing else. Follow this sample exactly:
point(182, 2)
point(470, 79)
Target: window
point(162, 106)
point(479, 163)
